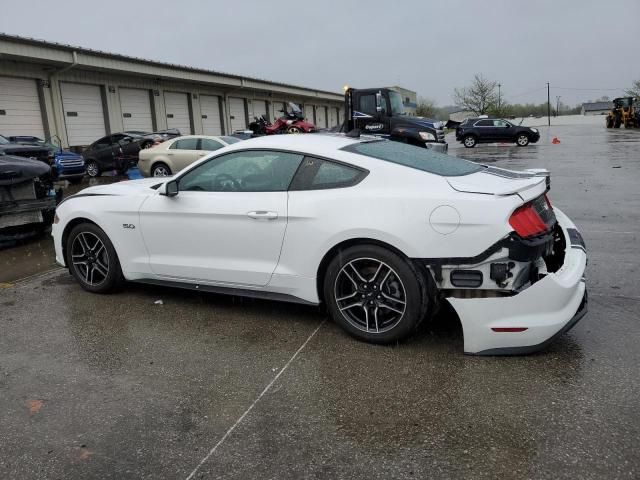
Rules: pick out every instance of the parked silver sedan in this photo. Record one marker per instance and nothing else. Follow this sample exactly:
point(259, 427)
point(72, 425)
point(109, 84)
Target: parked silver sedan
point(175, 154)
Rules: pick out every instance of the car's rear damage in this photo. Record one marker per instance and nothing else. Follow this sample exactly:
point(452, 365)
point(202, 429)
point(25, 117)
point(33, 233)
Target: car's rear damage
point(522, 291)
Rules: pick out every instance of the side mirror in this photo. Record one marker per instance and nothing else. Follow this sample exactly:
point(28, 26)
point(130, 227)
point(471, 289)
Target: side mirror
point(379, 102)
point(170, 189)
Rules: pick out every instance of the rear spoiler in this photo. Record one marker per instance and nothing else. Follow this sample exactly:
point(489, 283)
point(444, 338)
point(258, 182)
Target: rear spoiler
point(541, 172)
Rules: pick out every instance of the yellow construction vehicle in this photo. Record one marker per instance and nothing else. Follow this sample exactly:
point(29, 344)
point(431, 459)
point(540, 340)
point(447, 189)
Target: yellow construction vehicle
point(623, 113)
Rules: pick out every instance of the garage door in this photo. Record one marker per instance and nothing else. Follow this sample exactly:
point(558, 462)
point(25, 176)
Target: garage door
point(321, 117)
point(135, 104)
point(20, 112)
point(83, 114)
point(210, 109)
point(237, 113)
point(176, 106)
point(259, 108)
point(333, 116)
point(308, 113)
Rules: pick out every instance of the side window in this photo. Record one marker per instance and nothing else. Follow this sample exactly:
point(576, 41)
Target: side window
point(368, 104)
point(246, 171)
point(185, 144)
point(499, 123)
point(318, 174)
point(484, 123)
point(209, 145)
point(102, 143)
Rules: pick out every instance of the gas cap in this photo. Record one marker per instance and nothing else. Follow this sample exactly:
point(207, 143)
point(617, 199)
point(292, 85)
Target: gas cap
point(444, 219)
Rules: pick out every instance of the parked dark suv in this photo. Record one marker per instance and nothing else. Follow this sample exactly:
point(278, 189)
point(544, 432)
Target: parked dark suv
point(489, 130)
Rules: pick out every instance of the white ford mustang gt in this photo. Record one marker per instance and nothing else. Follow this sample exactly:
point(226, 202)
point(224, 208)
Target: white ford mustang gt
point(380, 231)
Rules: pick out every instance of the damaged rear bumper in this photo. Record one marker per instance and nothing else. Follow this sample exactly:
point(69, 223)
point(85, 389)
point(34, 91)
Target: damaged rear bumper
point(543, 311)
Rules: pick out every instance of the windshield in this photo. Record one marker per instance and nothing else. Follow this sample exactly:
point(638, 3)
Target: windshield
point(3, 141)
point(415, 157)
point(230, 140)
point(294, 108)
point(397, 108)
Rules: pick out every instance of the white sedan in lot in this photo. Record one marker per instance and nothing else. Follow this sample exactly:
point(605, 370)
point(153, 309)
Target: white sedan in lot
point(381, 232)
point(171, 156)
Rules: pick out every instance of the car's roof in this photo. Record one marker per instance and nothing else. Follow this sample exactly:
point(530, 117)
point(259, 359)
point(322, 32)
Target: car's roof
point(304, 142)
point(212, 137)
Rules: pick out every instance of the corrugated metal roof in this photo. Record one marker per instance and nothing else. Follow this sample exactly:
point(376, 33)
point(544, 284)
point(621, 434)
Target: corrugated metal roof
point(71, 48)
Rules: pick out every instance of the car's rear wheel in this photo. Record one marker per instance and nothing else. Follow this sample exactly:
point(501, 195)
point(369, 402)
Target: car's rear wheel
point(161, 170)
point(469, 141)
point(374, 294)
point(294, 130)
point(522, 140)
point(92, 259)
point(93, 170)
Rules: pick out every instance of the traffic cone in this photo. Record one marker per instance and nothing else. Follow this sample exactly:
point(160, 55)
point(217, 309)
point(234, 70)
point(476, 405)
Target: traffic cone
point(555, 141)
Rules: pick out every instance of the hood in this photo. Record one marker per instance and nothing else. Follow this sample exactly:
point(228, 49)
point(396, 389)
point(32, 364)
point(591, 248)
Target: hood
point(67, 155)
point(423, 122)
point(129, 187)
point(15, 170)
point(501, 182)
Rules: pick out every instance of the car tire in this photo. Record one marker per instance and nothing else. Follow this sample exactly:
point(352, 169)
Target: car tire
point(294, 130)
point(92, 259)
point(374, 294)
point(469, 141)
point(160, 170)
point(522, 140)
point(93, 170)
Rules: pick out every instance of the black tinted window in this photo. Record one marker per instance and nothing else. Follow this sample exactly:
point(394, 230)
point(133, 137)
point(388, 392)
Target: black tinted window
point(318, 174)
point(368, 104)
point(246, 171)
point(484, 123)
point(415, 157)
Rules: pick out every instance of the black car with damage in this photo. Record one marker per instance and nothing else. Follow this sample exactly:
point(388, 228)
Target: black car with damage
point(27, 198)
point(491, 130)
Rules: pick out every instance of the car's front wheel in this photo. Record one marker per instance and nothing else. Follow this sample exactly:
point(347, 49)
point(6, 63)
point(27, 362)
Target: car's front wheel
point(374, 294)
point(522, 140)
point(93, 170)
point(92, 259)
point(161, 170)
point(469, 141)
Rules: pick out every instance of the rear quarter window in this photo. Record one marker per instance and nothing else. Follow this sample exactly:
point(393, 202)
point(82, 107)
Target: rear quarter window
point(415, 157)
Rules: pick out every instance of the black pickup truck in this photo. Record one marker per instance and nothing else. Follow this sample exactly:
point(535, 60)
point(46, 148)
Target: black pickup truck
point(380, 112)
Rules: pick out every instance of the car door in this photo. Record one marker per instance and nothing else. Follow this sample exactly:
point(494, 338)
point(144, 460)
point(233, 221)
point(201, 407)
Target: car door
point(502, 131)
point(183, 152)
point(102, 151)
point(485, 130)
point(227, 223)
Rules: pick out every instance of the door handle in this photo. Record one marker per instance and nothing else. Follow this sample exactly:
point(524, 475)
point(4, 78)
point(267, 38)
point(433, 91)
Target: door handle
point(170, 153)
point(262, 215)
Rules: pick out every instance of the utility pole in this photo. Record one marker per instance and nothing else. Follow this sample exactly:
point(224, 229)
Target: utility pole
point(548, 105)
point(499, 113)
point(558, 97)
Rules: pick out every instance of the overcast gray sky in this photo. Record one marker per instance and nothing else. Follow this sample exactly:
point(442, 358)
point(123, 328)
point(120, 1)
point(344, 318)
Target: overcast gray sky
point(427, 46)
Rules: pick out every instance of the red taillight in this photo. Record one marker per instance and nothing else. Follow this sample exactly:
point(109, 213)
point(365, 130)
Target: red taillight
point(526, 221)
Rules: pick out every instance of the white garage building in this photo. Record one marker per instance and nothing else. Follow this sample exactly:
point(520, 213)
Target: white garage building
point(80, 95)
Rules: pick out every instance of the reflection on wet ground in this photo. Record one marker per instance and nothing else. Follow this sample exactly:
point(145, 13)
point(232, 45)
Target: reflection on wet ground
point(117, 386)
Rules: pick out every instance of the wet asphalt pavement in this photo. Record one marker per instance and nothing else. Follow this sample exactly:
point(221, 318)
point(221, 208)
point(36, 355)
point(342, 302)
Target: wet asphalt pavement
point(116, 386)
